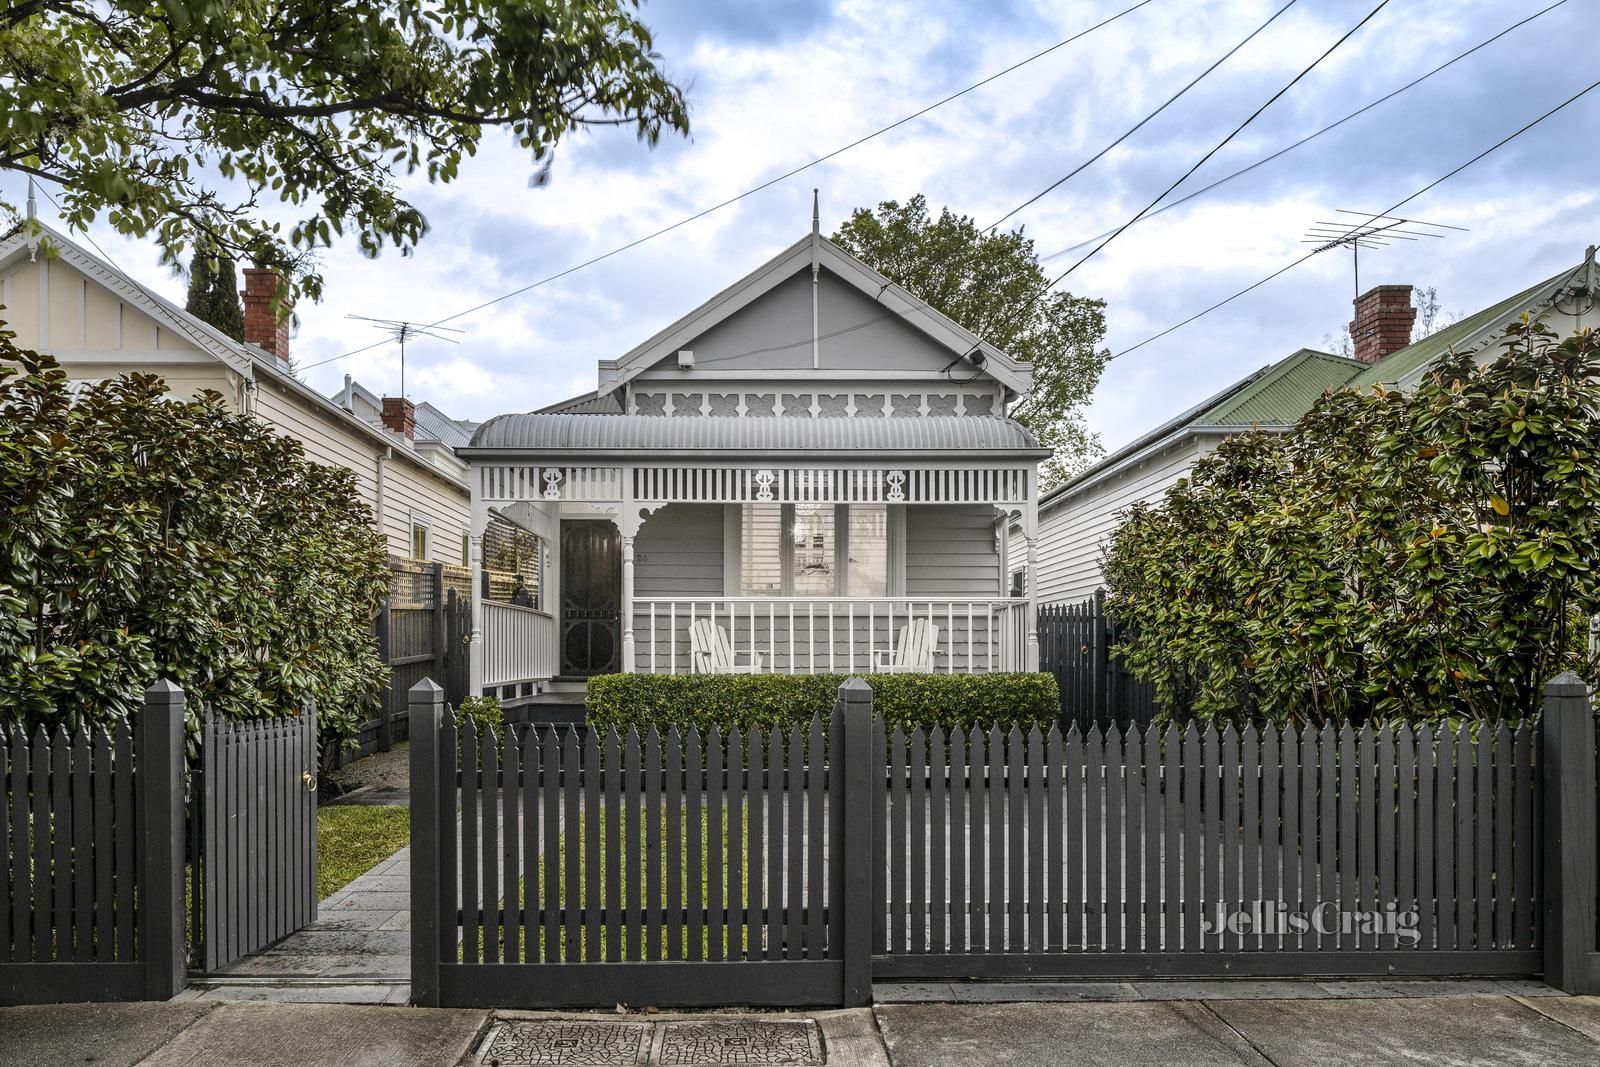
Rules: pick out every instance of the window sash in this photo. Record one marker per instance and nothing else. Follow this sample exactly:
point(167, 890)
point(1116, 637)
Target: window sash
point(767, 561)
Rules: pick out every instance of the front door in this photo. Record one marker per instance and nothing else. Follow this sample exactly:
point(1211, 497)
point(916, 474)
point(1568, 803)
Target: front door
point(591, 598)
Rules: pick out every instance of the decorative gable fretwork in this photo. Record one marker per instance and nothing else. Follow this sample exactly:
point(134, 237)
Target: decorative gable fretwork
point(812, 404)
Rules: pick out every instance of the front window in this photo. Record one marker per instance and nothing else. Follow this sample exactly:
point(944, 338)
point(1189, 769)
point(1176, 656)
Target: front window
point(813, 550)
point(761, 550)
point(812, 562)
point(867, 567)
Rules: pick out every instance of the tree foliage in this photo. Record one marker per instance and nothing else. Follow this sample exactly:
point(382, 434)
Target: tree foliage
point(1396, 554)
point(147, 537)
point(992, 284)
point(214, 294)
point(185, 118)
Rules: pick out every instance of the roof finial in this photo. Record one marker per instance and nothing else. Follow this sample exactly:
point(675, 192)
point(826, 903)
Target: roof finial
point(816, 218)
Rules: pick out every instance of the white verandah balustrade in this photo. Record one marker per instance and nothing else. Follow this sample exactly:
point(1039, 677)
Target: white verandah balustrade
point(825, 635)
point(519, 644)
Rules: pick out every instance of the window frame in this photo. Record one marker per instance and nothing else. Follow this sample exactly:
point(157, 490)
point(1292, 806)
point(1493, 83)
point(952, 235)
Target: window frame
point(734, 529)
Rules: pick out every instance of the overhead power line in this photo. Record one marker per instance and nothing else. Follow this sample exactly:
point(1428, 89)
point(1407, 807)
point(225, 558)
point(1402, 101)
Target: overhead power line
point(1386, 212)
point(1130, 131)
point(764, 185)
point(1113, 235)
point(1412, 84)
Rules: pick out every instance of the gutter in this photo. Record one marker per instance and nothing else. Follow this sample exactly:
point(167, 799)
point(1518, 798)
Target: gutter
point(747, 457)
point(1094, 476)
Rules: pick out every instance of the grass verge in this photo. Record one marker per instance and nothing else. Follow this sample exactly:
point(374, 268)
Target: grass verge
point(353, 838)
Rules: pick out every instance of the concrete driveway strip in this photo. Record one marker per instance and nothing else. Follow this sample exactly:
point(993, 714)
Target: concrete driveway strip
point(322, 1035)
point(106, 1035)
point(1449, 1032)
point(1061, 1035)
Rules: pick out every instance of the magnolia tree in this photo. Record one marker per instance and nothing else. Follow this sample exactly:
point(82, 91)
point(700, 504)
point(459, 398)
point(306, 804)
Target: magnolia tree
point(1398, 555)
point(147, 537)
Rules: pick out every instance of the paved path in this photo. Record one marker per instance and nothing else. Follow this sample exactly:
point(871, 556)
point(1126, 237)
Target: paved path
point(357, 952)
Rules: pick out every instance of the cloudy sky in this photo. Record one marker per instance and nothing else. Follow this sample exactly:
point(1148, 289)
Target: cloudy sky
point(773, 84)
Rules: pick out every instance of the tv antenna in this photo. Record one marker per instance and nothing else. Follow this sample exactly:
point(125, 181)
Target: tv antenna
point(401, 331)
point(1372, 232)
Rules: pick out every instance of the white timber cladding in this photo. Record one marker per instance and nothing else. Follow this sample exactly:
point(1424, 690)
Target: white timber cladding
point(1074, 528)
point(409, 488)
point(772, 484)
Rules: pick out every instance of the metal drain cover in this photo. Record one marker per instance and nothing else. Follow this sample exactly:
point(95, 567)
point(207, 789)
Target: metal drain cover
point(666, 1043)
point(691, 1044)
point(590, 1044)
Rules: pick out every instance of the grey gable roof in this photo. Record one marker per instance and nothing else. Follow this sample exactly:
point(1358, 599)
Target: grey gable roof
point(659, 435)
point(944, 331)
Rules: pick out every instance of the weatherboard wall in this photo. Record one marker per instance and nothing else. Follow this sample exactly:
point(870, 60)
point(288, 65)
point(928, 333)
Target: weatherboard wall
point(1073, 529)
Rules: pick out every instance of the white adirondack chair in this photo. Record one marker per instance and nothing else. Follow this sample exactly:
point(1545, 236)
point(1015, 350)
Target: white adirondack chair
point(712, 653)
point(913, 653)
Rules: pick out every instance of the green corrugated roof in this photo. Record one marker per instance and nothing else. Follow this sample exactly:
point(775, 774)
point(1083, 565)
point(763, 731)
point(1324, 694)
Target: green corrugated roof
point(1284, 393)
point(1403, 361)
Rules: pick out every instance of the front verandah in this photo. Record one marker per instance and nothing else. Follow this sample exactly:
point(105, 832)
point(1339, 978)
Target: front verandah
point(790, 569)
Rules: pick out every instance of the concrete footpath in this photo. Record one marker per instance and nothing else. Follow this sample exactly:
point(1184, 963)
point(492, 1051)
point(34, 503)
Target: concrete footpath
point(1062, 1024)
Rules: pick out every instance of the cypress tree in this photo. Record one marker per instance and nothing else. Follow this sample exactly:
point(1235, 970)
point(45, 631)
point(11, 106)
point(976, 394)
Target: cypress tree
point(214, 294)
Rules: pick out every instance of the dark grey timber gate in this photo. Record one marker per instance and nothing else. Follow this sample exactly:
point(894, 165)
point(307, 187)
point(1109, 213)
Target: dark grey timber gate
point(256, 830)
point(844, 852)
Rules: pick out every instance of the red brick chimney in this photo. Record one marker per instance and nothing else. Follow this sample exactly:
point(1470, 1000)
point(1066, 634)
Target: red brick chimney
point(1383, 321)
point(400, 415)
point(264, 324)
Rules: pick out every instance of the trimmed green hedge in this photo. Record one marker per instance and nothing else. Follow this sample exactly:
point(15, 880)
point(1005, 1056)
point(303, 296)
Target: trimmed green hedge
point(910, 700)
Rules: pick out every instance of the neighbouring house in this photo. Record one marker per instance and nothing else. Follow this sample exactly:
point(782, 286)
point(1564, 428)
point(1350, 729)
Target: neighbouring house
point(99, 322)
point(1076, 517)
point(810, 472)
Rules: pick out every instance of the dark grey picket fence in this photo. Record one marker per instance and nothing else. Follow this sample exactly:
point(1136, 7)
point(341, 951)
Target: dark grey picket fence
point(680, 868)
point(94, 844)
point(92, 854)
point(1077, 644)
point(1206, 852)
point(569, 875)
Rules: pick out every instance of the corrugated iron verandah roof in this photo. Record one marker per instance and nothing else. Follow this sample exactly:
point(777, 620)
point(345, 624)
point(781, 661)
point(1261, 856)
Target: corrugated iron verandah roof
point(654, 435)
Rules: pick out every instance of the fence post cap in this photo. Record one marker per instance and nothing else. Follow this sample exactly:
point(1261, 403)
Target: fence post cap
point(164, 688)
point(1566, 684)
point(855, 684)
point(427, 689)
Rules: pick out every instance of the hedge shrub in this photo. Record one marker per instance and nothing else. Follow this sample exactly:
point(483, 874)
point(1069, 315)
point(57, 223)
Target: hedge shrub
point(744, 700)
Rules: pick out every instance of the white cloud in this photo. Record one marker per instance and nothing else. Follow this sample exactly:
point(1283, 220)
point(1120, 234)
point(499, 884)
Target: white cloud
point(765, 103)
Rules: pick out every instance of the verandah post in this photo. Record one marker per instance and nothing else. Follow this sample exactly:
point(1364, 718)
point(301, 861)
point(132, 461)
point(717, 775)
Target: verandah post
point(425, 712)
point(158, 753)
point(1567, 752)
point(855, 700)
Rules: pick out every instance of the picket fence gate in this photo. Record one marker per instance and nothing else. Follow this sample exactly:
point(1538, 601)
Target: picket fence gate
point(97, 826)
point(848, 850)
point(253, 833)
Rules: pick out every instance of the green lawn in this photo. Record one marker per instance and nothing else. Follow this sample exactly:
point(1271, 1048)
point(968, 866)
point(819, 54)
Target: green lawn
point(353, 838)
point(530, 891)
